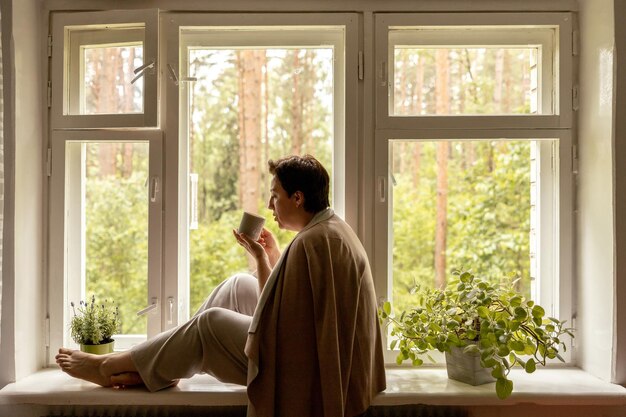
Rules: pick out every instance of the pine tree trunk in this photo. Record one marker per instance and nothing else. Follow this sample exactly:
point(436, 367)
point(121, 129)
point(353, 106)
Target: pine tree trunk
point(266, 132)
point(417, 110)
point(498, 83)
point(250, 63)
point(127, 76)
point(250, 67)
point(296, 107)
point(308, 102)
point(506, 99)
point(106, 102)
point(441, 227)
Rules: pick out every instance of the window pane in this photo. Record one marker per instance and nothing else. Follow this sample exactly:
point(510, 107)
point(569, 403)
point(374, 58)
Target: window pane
point(107, 81)
point(112, 199)
point(468, 205)
point(464, 80)
point(248, 106)
point(100, 66)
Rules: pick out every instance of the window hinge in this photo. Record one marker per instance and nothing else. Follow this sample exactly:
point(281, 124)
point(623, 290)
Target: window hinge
point(575, 159)
point(575, 42)
point(575, 98)
point(49, 46)
point(49, 93)
point(49, 162)
point(46, 331)
point(361, 65)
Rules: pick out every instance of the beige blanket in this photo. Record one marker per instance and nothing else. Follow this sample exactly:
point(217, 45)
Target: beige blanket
point(314, 346)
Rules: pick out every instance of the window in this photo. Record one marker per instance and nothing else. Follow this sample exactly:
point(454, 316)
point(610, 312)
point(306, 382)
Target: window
point(473, 154)
point(453, 141)
point(104, 69)
point(240, 89)
point(251, 88)
point(106, 185)
point(528, 56)
point(108, 234)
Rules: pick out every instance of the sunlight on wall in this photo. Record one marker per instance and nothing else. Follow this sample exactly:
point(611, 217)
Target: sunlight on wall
point(596, 244)
point(1, 173)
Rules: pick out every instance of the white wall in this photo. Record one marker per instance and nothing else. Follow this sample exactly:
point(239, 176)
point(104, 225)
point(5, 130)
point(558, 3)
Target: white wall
point(7, 348)
point(28, 186)
point(596, 243)
point(619, 158)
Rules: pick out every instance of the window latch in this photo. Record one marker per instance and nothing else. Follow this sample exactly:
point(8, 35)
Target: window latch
point(170, 315)
point(174, 77)
point(193, 221)
point(140, 71)
point(150, 308)
point(382, 189)
point(154, 189)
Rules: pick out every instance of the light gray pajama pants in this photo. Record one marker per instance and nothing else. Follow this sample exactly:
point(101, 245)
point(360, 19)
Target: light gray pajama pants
point(212, 341)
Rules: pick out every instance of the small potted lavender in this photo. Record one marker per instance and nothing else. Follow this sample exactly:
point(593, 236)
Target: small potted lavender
point(93, 325)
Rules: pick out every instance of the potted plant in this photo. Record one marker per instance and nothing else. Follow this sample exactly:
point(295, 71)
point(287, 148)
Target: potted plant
point(489, 328)
point(93, 325)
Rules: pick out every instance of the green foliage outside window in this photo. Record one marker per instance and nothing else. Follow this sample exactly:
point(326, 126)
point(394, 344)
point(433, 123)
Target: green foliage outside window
point(488, 215)
point(117, 246)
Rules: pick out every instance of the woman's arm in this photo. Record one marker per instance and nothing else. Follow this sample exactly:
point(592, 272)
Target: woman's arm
point(264, 251)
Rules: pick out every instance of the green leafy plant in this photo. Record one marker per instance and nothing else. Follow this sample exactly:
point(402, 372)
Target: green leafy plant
point(94, 324)
point(493, 321)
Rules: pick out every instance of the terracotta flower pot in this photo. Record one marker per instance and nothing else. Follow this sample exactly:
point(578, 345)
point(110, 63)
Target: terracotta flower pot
point(98, 349)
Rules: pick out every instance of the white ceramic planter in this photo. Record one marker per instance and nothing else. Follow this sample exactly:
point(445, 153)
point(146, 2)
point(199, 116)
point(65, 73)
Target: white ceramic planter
point(465, 367)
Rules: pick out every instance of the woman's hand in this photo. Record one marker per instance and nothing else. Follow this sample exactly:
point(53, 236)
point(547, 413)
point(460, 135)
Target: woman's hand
point(260, 254)
point(270, 246)
point(254, 248)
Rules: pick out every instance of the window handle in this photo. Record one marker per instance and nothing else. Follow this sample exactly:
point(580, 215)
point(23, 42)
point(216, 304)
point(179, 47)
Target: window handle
point(382, 189)
point(154, 188)
point(193, 182)
point(383, 74)
point(150, 308)
point(170, 315)
point(174, 77)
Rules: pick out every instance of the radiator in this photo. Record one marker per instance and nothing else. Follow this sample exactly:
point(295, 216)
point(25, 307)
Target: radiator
point(417, 410)
point(146, 411)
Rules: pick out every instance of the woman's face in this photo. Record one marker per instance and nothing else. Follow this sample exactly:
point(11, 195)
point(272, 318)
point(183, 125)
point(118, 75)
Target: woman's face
point(284, 208)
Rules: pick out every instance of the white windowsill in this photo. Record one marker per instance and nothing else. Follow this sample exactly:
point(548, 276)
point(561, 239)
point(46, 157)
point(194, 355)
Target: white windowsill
point(550, 387)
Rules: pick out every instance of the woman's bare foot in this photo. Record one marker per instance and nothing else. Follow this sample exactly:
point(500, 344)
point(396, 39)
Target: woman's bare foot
point(84, 366)
point(126, 379)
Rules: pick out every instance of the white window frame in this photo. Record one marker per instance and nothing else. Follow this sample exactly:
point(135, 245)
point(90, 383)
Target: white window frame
point(556, 208)
point(295, 25)
point(354, 193)
point(67, 72)
point(65, 252)
point(560, 48)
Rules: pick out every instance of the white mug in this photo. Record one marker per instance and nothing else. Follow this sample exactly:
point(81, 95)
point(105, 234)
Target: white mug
point(251, 225)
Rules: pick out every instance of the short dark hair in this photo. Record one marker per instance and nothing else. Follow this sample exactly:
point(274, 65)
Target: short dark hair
point(305, 174)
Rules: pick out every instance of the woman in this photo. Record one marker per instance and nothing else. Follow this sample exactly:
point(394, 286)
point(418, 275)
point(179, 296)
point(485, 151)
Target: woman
point(312, 346)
